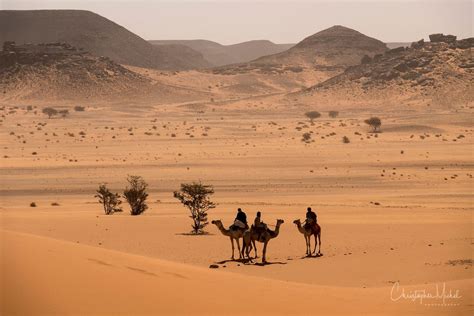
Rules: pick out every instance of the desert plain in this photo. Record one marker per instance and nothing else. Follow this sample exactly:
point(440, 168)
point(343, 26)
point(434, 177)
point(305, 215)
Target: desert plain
point(395, 209)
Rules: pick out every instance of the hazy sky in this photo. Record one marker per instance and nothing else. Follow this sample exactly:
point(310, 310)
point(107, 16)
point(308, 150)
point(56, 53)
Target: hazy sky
point(228, 22)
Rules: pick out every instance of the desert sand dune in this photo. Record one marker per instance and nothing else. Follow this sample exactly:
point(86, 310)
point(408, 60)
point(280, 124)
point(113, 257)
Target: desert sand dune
point(128, 284)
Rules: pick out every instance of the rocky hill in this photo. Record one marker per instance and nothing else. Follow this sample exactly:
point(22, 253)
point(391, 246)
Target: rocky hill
point(60, 71)
point(332, 50)
point(219, 55)
point(95, 34)
point(443, 65)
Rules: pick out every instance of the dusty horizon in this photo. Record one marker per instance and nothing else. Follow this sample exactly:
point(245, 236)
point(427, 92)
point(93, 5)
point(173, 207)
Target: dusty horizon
point(231, 22)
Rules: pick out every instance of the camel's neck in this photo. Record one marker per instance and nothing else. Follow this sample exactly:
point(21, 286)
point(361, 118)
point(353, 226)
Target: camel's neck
point(300, 228)
point(224, 231)
point(277, 231)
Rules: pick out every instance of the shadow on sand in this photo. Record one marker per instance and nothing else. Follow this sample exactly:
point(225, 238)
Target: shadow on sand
point(234, 260)
point(262, 264)
point(312, 256)
point(193, 234)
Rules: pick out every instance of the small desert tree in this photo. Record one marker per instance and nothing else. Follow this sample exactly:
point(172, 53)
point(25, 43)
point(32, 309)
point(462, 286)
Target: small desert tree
point(50, 111)
point(196, 197)
point(374, 122)
point(333, 114)
point(312, 115)
point(110, 201)
point(63, 113)
point(136, 195)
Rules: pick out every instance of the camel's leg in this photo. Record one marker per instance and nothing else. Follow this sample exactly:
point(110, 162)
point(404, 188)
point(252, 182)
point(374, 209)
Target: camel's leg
point(238, 246)
point(255, 247)
point(306, 243)
point(264, 255)
point(232, 242)
point(319, 237)
point(248, 249)
point(315, 243)
point(309, 245)
point(248, 245)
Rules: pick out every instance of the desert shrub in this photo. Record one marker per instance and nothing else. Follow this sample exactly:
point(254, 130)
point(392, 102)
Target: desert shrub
point(29, 108)
point(374, 122)
point(110, 201)
point(306, 138)
point(49, 111)
point(333, 114)
point(346, 140)
point(196, 197)
point(136, 195)
point(79, 108)
point(312, 115)
point(32, 204)
point(63, 113)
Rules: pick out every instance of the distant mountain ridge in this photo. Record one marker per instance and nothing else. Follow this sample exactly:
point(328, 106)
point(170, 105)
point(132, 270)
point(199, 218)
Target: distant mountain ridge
point(337, 46)
point(331, 51)
point(97, 35)
point(219, 55)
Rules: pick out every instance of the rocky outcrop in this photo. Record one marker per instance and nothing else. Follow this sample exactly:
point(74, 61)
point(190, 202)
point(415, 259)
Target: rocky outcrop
point(60, 69)
point(441, 38)
point(432, 64)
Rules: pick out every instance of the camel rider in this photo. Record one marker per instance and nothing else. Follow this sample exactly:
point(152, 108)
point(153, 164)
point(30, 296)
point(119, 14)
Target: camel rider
point(311, 217)
point(259, 225)
point(240, 220)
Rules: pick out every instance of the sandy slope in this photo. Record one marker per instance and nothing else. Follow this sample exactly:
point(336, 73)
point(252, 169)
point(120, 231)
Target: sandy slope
point(396, 207)
point(47, 276)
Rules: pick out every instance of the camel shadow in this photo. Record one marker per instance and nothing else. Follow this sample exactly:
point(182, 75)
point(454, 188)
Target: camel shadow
point(194, 234)
point(244, 261)
point(262, 264)
point(312, 256)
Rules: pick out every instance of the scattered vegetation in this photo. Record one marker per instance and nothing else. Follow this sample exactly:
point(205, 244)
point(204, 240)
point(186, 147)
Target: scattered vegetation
point(79, 108)
point(374, 122)
point(136, 194)
point(50, 112)
point(333, 114)
point(110, 201)
point(63, 113)
point(32, 204)
point(306, 138)
point(196, 197)
point(312, 115)
point(346, 140)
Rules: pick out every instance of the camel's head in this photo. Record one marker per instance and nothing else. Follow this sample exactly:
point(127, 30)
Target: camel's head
point(280, 221)
point(297, 222)
point(216, 222)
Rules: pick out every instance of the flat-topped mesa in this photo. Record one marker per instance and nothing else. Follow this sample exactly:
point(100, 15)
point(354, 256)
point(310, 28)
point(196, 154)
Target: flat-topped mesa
point(441, 38)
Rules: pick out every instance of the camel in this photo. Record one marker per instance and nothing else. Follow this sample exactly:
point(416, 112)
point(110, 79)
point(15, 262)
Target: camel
point(232, 233)
point(307, 232)
point(251, 236)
